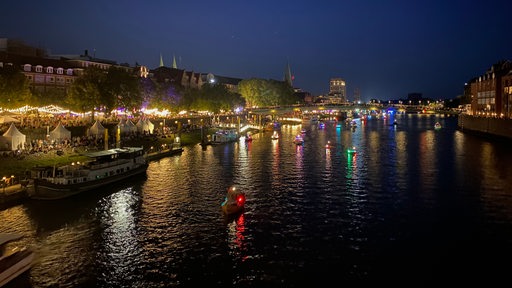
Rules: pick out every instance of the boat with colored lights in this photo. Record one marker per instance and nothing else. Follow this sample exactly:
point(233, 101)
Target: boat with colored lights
point(103, 168)
point(14, 260)
point(298, 140)
point(234, 202)
point(275, 135)
point(224, 136)
point(248, 137)
point(352, 150)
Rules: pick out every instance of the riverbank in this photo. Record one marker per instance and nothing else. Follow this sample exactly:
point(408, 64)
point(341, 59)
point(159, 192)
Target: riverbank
point(486, 126)
point(15, 169)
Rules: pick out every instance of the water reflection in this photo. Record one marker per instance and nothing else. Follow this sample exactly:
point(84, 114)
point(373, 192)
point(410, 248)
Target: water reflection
point(119, 239)
point(408, 196)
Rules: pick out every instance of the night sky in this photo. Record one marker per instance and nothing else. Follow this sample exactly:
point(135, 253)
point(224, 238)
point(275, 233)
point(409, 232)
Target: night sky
point(386, 49)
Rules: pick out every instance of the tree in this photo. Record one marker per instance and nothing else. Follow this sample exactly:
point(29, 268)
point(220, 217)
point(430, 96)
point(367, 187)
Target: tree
point(261, 92)
point(85, 93)
point(121, 90)
point(14, 88)
point(217, 97)
point(98, 89)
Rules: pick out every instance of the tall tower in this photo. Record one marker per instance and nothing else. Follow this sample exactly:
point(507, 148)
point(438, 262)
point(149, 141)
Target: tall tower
point(288, 75)
point(337, 90)
point(161, 60)
point(174, 62)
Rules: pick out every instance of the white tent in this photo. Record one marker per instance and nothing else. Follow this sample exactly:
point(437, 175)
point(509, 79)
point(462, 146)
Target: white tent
point(96, 130)
point(145, 126)
point(131, 128)
point(149, 126)
point(60, 133)
point(140, 125)
point(13, 139)
point(122, 126)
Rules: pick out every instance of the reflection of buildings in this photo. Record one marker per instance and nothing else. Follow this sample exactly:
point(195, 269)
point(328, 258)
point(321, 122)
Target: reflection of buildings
point(491, 92)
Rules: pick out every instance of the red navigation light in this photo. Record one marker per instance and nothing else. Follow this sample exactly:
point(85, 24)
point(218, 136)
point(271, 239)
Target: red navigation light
point(240, 200)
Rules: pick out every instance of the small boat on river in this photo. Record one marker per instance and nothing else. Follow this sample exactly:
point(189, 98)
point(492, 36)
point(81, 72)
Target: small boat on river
point(248, 137)
point(437, 126)
point(224, 136)
point(103, 168)
point(234, 202)
point(298, 140)
point(14, 260)
point(352, 151)
point(275, 135)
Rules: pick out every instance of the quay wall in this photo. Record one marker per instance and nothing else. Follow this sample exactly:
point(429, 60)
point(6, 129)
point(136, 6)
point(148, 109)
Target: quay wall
point(486, 126)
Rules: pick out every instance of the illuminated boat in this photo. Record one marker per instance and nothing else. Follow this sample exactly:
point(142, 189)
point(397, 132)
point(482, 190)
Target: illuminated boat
point(437, 125)
point(104, 167)
point(234, 202)
point(298, 140)
point(14, 261)
point(248, 137)
point(352, 151)
point(275, 135)
point(224, 136)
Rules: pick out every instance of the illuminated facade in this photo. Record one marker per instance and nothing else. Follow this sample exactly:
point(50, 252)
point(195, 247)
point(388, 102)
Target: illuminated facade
point(506, 83)
point(50, 74)
point(487, 92)
point(337, 91)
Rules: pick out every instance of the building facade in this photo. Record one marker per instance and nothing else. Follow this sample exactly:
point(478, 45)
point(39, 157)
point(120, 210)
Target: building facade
point(337, 91)
point(50, 74)
point(488, 96)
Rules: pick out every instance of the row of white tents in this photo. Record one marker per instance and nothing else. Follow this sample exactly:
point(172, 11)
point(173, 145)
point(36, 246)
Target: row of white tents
point(126, 127)
point(13, 139)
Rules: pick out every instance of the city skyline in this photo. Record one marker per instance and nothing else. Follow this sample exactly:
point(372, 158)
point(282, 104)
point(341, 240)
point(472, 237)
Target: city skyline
point(383, 50)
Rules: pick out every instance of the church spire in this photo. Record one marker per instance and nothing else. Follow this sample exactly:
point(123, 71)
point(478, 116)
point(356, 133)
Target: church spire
point(288, 75)
point(174, 62)
point(161, 61)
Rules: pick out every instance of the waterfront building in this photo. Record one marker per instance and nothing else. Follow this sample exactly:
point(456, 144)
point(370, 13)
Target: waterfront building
point(487, 91)
point(337, 91)
point(506, 83)
point(51, 74)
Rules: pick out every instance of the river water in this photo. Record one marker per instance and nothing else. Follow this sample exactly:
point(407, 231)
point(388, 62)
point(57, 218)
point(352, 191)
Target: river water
point(414, 204)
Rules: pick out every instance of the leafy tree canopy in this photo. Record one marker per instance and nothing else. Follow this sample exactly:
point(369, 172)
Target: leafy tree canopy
point(263, 93)
point(14, 88)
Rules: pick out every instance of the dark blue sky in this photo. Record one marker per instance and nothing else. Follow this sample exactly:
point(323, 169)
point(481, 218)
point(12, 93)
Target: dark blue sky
point(386, 49)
